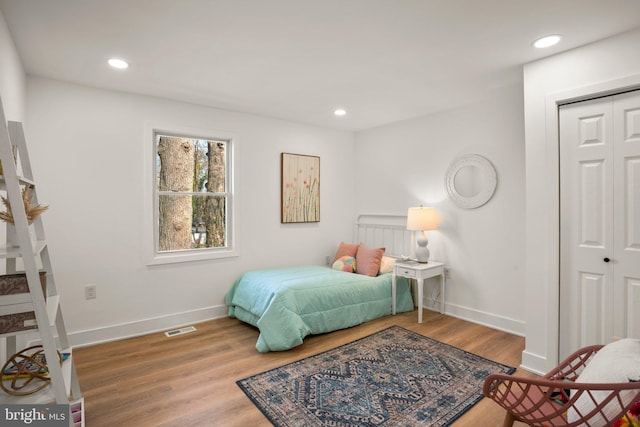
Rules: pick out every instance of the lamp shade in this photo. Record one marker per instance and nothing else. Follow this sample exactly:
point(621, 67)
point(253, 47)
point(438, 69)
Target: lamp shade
point(421, 218)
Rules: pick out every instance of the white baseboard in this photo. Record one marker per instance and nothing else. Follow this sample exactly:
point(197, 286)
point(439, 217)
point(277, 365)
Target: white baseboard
point(145, 326)
point(501, 323)
point(534, 363)
point(176, 320)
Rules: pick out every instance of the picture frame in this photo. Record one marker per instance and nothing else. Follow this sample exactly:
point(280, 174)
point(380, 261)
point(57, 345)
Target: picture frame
point(300, 188)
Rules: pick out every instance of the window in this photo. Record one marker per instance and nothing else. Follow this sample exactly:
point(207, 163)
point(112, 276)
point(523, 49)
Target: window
point(192, 197)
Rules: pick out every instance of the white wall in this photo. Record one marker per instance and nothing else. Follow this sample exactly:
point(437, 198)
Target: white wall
point(12, 76)
point(12, 94)
point(12, 87)
point(404, 164)
point(599, 68)
point(87, 150)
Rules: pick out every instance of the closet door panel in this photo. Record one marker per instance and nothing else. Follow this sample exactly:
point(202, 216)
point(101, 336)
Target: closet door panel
point(631, 312)
point(586, 234)
point(627, 214)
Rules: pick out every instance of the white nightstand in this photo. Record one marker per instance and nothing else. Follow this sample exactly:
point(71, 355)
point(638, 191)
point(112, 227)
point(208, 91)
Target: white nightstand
point(420, 272)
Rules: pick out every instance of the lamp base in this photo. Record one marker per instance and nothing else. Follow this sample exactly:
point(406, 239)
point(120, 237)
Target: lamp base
point(422, 251)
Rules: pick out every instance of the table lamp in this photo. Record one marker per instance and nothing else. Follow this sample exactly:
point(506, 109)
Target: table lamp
point(422, 219)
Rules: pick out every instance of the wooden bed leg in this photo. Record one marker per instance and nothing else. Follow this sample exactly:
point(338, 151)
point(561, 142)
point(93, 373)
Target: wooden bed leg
point(509, 419)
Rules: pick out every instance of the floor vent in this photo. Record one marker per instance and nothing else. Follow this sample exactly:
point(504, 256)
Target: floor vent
point(180, 331)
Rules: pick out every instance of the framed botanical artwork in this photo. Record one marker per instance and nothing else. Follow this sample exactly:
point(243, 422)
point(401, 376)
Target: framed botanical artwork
point(300, 181)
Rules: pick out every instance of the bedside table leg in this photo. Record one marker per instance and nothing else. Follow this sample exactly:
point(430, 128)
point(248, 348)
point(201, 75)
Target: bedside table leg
point(420, 298)
point(393, 294)
point(442, 290)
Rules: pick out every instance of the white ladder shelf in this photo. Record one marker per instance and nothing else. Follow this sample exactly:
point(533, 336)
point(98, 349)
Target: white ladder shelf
point(64, 387)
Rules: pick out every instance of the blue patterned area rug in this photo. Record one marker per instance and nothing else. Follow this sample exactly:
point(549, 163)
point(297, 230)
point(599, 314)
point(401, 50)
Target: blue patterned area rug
point(394, 377)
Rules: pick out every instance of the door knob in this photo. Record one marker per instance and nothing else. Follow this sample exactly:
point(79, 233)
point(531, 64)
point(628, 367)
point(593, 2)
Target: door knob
point(606, 260)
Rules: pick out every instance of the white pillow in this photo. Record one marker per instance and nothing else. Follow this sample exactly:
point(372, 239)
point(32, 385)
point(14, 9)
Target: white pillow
point(386, 264)
point(617, 362)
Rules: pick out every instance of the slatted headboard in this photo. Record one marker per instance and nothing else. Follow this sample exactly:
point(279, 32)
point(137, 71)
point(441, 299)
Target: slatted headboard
point(384, 231)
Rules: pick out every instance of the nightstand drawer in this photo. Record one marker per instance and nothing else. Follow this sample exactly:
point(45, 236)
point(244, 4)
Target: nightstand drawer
point(406, 272)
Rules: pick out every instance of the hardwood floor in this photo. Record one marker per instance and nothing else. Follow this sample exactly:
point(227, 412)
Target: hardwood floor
point(189, 380)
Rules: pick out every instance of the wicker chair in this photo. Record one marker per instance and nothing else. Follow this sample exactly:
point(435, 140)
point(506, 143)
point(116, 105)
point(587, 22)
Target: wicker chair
point(547, 401)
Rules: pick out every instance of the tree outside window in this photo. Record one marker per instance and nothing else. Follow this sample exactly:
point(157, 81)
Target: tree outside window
point(192, 193)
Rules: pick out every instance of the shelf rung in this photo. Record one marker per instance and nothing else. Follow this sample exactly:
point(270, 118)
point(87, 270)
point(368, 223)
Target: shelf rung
point(6, 310)
point(15, 252)
point(22, 180)
point(26, 305)
point(15, 299)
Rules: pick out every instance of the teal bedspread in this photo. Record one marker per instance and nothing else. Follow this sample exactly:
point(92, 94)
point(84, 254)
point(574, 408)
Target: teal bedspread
point(287, 304)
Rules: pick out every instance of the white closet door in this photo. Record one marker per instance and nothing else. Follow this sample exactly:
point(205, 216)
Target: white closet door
point(626, 261)
point(599, 221)
point(586, 235)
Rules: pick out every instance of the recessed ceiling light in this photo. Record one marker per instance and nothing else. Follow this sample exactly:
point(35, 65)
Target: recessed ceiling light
point(340, 112)
point(546, 41)
point(118, 63)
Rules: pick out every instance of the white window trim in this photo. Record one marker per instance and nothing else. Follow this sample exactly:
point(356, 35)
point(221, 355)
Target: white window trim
point(150, 218)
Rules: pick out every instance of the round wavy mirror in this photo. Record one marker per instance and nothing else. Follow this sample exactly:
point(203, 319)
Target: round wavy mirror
point(471, 181)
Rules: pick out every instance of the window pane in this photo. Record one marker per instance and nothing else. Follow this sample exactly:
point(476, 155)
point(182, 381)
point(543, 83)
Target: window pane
point(210, 167)
point(175, 163)
point(190, 165)
point(191, 222)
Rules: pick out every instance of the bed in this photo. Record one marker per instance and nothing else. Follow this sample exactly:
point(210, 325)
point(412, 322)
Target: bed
point(287, 304)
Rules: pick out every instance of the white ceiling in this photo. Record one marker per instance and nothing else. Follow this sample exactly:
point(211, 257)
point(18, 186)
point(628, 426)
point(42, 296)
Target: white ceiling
point(381, 60)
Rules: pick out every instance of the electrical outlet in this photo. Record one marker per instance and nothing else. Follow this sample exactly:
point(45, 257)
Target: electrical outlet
point(90, 292)
point(447, 273)
point(327, 259)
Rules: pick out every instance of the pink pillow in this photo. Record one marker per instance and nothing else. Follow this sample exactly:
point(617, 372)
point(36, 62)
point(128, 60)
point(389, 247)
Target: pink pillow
point(368, 260)
point(346, 249)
